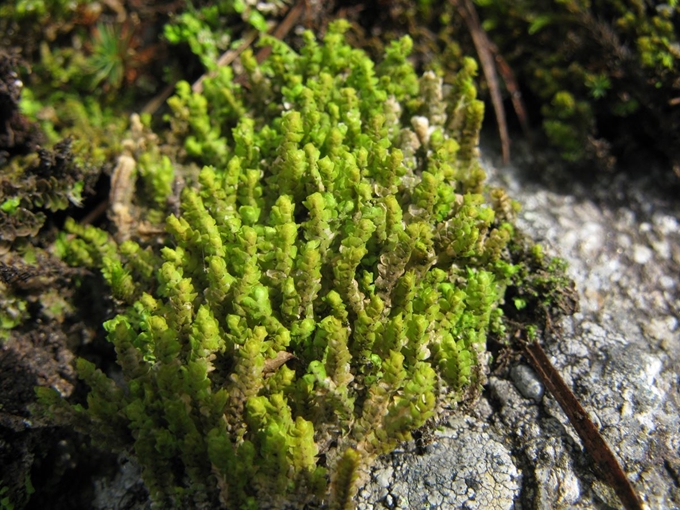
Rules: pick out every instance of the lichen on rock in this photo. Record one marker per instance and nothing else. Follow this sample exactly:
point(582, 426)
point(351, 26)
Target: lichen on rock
point(328, 285)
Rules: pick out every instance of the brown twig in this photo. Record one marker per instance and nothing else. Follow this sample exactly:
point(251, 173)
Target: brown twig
point(515, 93)
point(96, 213)
point(593, 441)
point(283, 28)
point(279, 32)
point(156, 102)
point(225, 59)
point(486, 58)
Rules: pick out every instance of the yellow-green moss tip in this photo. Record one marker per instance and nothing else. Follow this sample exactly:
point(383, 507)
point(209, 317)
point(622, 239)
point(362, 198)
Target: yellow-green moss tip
point(330, 279)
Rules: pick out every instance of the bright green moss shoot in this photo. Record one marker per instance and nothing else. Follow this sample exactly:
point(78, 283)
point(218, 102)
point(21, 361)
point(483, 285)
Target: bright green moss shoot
point(329, 282)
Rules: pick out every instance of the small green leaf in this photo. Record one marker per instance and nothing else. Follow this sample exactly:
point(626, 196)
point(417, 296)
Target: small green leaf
point(257, 20)
point(10, 205)
point(538, 23)
point(520, 303)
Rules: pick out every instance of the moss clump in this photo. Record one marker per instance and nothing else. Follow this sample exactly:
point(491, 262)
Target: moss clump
point(615, 63)
point(32, 187)
point(211, 29)
point(330, 281)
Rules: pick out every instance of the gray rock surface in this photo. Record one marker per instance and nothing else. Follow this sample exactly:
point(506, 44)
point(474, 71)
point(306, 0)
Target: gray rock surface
point(620, 354)
point(444, 477)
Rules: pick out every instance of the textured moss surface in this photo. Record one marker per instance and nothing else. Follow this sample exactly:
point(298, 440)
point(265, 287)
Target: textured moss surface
point(328, 284)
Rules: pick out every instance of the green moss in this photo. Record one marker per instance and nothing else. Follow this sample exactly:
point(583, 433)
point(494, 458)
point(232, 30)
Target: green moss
point(10, 205)
point(16, 500)
point(539, 290)
point(617, 60)
point(329, 283)
point(211, 29)
point(36, 185)
point(12, 312)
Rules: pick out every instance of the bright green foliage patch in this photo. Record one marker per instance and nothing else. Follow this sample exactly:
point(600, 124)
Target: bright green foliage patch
point(329, 282)
point(209, 30)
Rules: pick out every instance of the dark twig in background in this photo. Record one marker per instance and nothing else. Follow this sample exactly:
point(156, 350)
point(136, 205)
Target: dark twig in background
point(486, 58)
point(593, 441)
point(513, 88)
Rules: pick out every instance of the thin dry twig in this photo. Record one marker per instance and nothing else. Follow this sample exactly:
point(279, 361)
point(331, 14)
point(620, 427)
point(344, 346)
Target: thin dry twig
point(486, 58)
point(513, 87)
point(96, 213)
point(283, 28)
point(593, 441)
point(271, 365)
point(156, 102)
point(279, 32)
point(227, 58)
